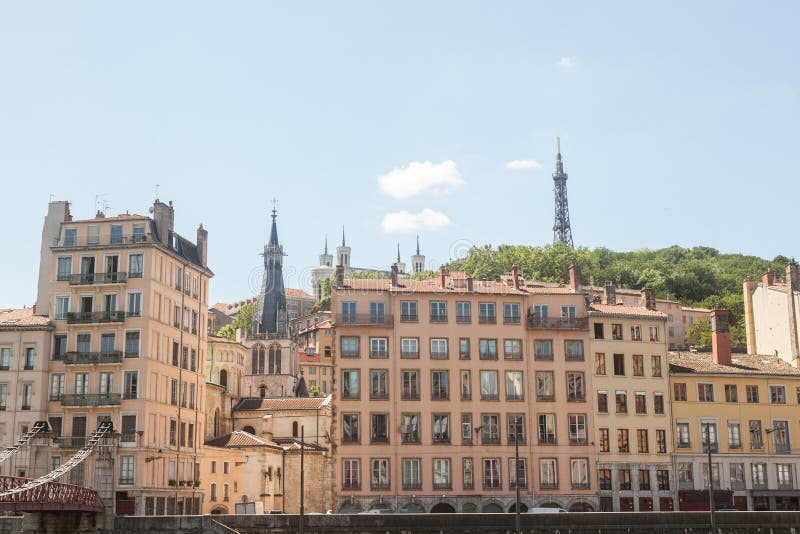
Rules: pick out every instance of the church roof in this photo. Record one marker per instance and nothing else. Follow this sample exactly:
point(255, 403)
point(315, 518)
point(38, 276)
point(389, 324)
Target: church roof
point(277, 404)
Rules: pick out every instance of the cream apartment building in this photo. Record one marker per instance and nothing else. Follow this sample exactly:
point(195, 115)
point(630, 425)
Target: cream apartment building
point(24, 354)
point(630, 381)
point(436, 381)
point(128, 298)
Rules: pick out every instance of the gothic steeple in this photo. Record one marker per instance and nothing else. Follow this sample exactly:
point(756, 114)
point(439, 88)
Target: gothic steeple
point(401, 267)
point(417, 261)
point(343, 253)
point(271, 317)
point(325, 259)
point(562, 232)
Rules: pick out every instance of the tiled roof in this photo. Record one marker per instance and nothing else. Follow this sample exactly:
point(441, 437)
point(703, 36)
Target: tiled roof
point(121, 217)
point(698, 310)
point(283, 403)
point(219, 306)
point(619, 310)
point(239, 438)
point(322, 325)
point(293, 292)
point(741, 364)
point(293, 444)
point(15, 318)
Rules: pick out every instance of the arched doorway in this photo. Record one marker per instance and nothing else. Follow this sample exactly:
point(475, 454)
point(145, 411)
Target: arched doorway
point(522, 508)
point(249, 430)
point(413, 508)
point(492, 508)
point(469, 508)
point(581, 507)
point(443, 508)
point(349, 508)
point(219, 510)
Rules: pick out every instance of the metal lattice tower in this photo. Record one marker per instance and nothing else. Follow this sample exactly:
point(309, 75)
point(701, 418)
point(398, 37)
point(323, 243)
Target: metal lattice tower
point(562, 232)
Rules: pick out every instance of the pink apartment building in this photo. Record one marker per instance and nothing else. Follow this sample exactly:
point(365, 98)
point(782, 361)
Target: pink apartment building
point(437, 378)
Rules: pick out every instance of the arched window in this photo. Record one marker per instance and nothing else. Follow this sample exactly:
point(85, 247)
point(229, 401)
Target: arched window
point(294, 429)
point(216, 422)
point(249, 430)
point(274, 360)
point(258, 359)
point(278, 361)
point(213, 491)
point(223, 378)
point(327, 352)
point(262, 391)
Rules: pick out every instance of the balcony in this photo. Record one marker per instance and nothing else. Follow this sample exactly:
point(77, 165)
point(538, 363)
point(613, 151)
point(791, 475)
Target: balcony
point(513, 355)
point(409, 354)
point(511, 319)
point(91, 399)
point(438, 355)
point(95, 317)
point(89, 358)
point(365, 319)
point(87, 279)
point(70, 241)
point(490, 440)
point(464, 319)
point(548, 440)
point(487, 319)
point(409, 318)
point(558, 323)
point(378, 353)
point(548, 485)
point(71, 442)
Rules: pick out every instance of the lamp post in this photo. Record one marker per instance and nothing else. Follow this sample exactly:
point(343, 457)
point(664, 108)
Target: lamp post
point(302, 477)
point(710, 480)
point(516, 469)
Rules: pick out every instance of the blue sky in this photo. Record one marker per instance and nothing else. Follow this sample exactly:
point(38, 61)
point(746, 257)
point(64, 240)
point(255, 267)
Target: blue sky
point(679, 124)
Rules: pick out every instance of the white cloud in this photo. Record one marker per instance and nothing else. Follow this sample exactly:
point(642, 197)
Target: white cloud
point(403, 221)
point(522, 164)
point(568, 62)
point(420, 177)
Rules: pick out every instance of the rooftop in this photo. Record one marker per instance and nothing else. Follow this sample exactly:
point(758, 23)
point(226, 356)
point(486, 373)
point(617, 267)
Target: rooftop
point(278, 404)
point(620, 310)
point(455, 283)
point(16, 318)
point(240, 438)
point(741, 364)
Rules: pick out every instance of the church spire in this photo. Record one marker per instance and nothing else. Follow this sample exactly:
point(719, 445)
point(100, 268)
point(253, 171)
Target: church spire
point(273, 234)
point(344, 244)
point(398, 252)
point(417, 245)
point(271, 317)
point(326, 245)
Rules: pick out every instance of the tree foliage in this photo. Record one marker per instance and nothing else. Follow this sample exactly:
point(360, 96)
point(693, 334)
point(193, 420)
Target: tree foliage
point(244, 319)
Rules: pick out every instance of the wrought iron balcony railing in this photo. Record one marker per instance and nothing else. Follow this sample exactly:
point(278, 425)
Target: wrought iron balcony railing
point(558, 323)
point(95, 317)
point(98, 278)
point(89, 358)
point(91, 399)
point(365, 319)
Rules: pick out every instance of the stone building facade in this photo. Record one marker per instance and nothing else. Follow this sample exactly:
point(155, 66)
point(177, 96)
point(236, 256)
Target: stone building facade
point(772, 315)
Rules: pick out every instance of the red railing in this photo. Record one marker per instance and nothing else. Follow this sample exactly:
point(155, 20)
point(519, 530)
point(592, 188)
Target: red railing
point(49, 496)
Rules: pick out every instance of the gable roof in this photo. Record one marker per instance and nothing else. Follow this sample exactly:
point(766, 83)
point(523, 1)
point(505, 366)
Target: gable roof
point(239, 439)
point(282, 403)
point(619, 310)
point(23, 318)
point(741, 364)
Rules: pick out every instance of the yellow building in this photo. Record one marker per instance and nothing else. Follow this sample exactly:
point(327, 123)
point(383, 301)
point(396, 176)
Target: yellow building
point(632, 419)
point(746, 408)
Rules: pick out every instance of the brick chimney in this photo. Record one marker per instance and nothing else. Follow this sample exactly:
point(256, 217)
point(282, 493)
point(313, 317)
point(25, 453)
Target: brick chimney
point(611, 294)
point(648, 298)
point(339, 276)
point(164, 217)
point(442, 277)
point(394, 275)
point(768, 277)
point(720, 336)
point(202, 245)
point(515, 276)
point(575, 277)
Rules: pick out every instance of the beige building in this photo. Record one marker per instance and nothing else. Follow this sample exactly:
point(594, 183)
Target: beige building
point(24, 355)
point(128, 299)
point(632, 419)
point(225, 369)
point(772, 314)
point(436, 381)
point(252, 474)
point(745, 407)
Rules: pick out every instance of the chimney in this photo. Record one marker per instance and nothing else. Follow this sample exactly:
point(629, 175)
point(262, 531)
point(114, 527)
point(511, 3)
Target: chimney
point(611, 294)
point(394, 275)
point(720, 336)
point(339, 275)
point(99, 215)
point(442, 277)
point(164, 217)
point(470, 284)
point(515, 275)
point(575, 277)
point(648, 298)
point(768, 278)
point(748, 288)
point(202, 245)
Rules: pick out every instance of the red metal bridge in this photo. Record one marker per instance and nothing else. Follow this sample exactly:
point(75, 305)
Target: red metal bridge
point(48, 497)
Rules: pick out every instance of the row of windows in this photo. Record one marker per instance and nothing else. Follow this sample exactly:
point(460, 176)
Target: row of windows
point(617, 332)
point(107, 344)
point(637, 365)
point(779, 431)
point(784, 475)
point(26, 391)
point(621, 402)
point(624, 480)
point(490, 476)
point(92, 237)
point(108, 304)
point(439, 348)
point(105, 384)
point(438, 311)
point(410, 385)
point(642, 440)
point(28, 358)
point(88, 269)
point(706, 393)
point(487, 431)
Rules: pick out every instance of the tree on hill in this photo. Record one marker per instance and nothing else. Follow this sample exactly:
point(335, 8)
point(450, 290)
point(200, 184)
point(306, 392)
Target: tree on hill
point(244, 319)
